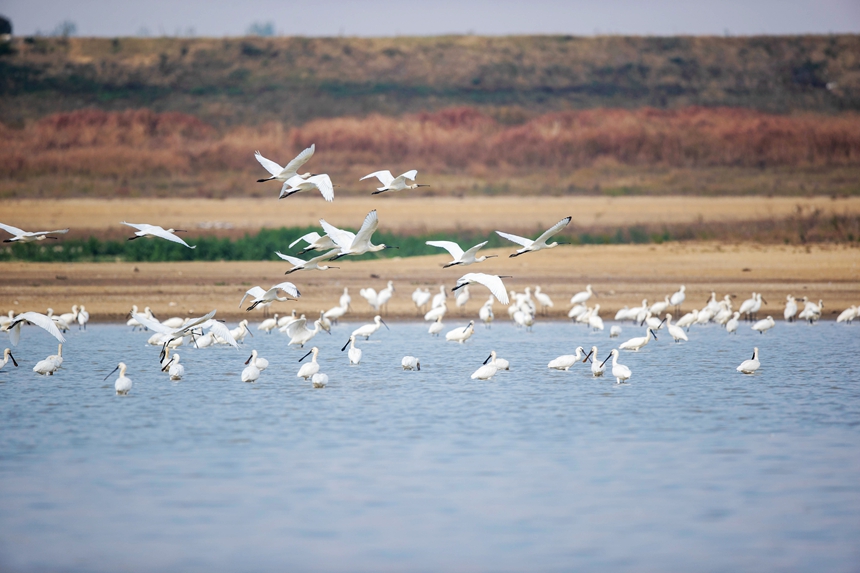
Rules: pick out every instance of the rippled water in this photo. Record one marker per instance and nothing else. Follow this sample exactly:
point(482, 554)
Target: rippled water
point(689, 467)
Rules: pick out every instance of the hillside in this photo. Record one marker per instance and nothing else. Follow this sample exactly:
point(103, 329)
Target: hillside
point(254, 80)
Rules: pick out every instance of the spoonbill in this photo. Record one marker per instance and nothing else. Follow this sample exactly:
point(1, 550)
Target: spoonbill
point(345, 299)
point(392, 183)
point(566, 361)
point(436, 313)
point(300, 334)
point(688, 319)
point(582, 296)
point(7, 355)
point(638, 342)
point(251, 372)
point(460, 256)
point(597, 368)
point(368, 329)
point(436, 327)
point(488, 370)
point(463, 297)
point(790, 308)
point(732, 324)
point(421, 297)
point(355, 244)
point(123, 383)
point(354, 353)
point(40, 320)
point(319, 380)
point(284, 174)
point(461, 335)
point(486, 313)
point(334, 313)
point(144, 229)
point(751, 365)
point(260, 296)
point(764, 325)
point(83, 318)
point(848, 315)
point(440, 297)
point(539, 243)
point(21, 236)
point(410, 363)
point(811, 311)
point(675, 331)
point(312, 367)
point(48, 366)
point(174, 369)
point(492, 282)
point(299, 183)
point(315, 242)
point(543, 299)
point(311, 264)
point(621, 372)
point(677, 298)
point(659, 307)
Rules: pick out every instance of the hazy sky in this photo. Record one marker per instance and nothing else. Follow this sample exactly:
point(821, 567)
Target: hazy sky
point(418, 17)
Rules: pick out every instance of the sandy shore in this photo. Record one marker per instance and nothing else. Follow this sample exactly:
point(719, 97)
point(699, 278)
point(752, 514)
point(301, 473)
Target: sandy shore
point(621, 274)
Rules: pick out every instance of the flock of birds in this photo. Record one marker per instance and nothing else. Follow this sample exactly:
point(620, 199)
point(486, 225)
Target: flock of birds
point(335, 243)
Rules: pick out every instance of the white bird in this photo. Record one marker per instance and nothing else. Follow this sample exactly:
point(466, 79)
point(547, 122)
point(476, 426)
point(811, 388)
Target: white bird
point(299, 183)
point(123, 383)
point(811, 311)
point(315, 242)
point(501, 363)
point(392, 183)
point(732, 324)
point(174, 369)
point(621, 372)
point(260, 296)
point(61, 324)
point(543, 299)
point(436, 327)
point(239, 333)
point(384, 296)
point(488, 370)
point(659, 307)
point(675, 331)
point(83, 318)
point(460, 256)
point(461, 335)
point(790, 308)
point(287, 319)
point(849, 314)
point(354, 353)
point(144, 229)
point(436, 313)
point(463, 297)
point(173, 322)
point(638, 342)
point(368, 329)
point(345, 299)
point(751, 365)
point(492, 282)
point(594, 321)
point(169, 335)
point(576, 312)
point(300, 334)
point(582, 296)
point(6, 320)
point(334, 313)
point(21, 236)
point(261, 363)
point(7, 355)
point(251, 372)
point(615, 331)
point(312, 367)
point(358, 243)
point(597, 368)
point(688, 319)
point(284, 174)
point(421, 297)
point(486, 313)
point(757, 305)
point(309, 265)
point(567, 360)
point(764, 325)
point(678, 298)
point(325, 323)
point(539, 243)
point(440, 297)
point(410, 363)
point(40, 320)
point(49, 365)
point(747, 305)
point(319, 380)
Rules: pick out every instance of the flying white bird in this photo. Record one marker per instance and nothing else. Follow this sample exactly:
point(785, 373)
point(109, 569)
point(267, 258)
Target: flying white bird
point(355, 244)
point(311, 264)
point(460, 256)
point(299, 183)
point(315, 243)
point(751, 365)
point(539, 243)
point(299, 333)
point(260, 296)
point(492, 282)
point(36, 318)
point(21, 236)
point(284, 174)
point(392, 183)
point(144, 229)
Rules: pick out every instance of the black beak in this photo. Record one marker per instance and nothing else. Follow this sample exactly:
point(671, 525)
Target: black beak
point(491, 256)
point(418, 366)
point(390, 247)
point(753, 356)
point(587, 356)
point(607, 358)
point(167, 366)
point(111, 372)
point(488, 358)
point(764, 301)
point(249, 359)
point(383, 323)
point(179, 231)
point(661, 322)
point(306, 355)
point(344, 346)
point(653, 334)
point(163, 352)
point(13, 360)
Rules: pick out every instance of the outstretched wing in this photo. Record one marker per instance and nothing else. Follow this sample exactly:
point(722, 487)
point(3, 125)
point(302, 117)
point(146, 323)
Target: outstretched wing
point(220, 330)
point(408, 175)
point(268, 164)
point(324, 184)
point(310, 238)
point(341, 238)
point(138, 226)
point(40, 320)
point(57, 232)
point(159, 232)
point(451, 247)
point(471, 252)
point(385, 177)
point(325, 257)
point(295, 261)
point(288, 288)
point(14, 230)
point(553, 230)
point(492, 282)
point(515, 239)
point(196, 322)
point(294, 327)
point(255, 292)
point(371, 222)
point(300, 159)
point(151, 324)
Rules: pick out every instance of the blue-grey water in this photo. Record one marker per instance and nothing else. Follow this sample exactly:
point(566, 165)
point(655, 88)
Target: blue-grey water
point(691, 466)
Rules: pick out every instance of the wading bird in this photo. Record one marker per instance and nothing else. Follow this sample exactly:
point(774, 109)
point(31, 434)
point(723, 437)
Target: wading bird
point(488, 370)
point(312, 367)
point(21, 236)
point(460, 256)
point(144, 229)
point(621, 372)
point(492, 282)
point(260, 296)
point(123, 383)
point(751, 365)
point(7, 355)
point(566, 361)
point(410, 363)
point(251, 372)
point(392, 183)
point(355, 244)
point(539, 243)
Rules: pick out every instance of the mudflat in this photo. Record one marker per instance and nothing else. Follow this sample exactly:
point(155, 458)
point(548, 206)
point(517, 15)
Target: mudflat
point(620, 274)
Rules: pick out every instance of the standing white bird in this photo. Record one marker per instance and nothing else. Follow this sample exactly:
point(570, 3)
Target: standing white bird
point(299, 183)
point(309, 265)
point(260, 296)
point(597, 368)
point(566, 361)
point(688, 319)
point(251, 372)
point(582, 296)
point(732, 324)
point(40, 320)
point(83, 318)
point(460, 256)
point(436, 327)
point(463, 297)
point(334, 313)
point(319, 380)
point(461, 335)
point(764, 325)
point(123, 383)
point(439, 298)
point(345, 299)
point(488, 370)
point(638, 342)
point(621, 372)
point(144, 229)
point(392, 183)
point(849, 314)
point(174, 369)
point(436, 313)
point(312, 367)
point(21, 236)
point(486, 313)
point(354, 353)
point(615, 331)
point(539, 243)
point(492, 282)
point(358, 243)
point(300, 334)
point(284, 174)
point(7, 355)
point(751, 365)
point(790, 308)
point(46, 367)
point(543, 300)
point(678, 298)
point(410, 363)
point(675, 331)
point(421, 297)
point(368, 329)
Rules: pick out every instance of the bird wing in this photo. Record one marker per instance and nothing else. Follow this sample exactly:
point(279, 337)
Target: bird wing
point(492, 282)
point(553, 230)
point(451, 247)
point(295, 261)
point(14, 230)
point(220, 330)
point(288, 288)
point(385, 177)
point(255, 292)
point(401, 179)
point(300, 159)
point(195, 322)
point(138, 226)
point(324, 184)
point(40, 320)
point(325, 257)
point(57, 232)
point(341, 238)
point(151, 324)
point(294, 327)
point(515, 239)
point(371, 222)
point(159, 232)
point(475, 249)
point(310, 238)
point(268, 164)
